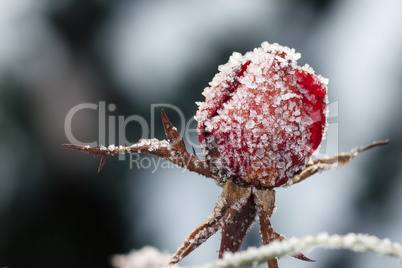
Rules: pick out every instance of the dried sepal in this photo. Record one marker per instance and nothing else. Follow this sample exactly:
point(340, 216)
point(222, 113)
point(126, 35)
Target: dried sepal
point(232, 199)
point(332, 162)
point(176, 154)
point(265, 204)
point(234, 231)
point(173, 136)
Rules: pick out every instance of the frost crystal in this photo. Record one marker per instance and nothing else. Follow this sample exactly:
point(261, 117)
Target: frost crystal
point(147, 257)
point(111, 147)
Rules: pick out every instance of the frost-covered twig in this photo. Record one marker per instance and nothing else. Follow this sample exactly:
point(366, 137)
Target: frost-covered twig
point(147, 257)
point(352, 241)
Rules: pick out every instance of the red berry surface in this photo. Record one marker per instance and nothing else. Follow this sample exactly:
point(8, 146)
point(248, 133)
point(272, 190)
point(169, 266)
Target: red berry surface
point(263, 116)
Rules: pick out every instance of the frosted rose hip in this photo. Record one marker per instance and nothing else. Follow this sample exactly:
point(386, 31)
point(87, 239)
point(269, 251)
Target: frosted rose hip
point(263, 116)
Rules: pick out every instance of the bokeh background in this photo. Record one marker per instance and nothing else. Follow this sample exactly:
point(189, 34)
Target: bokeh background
point(56, 211)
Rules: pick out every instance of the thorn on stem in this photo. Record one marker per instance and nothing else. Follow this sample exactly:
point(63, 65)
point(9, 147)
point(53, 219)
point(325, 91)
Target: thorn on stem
point(102, 163)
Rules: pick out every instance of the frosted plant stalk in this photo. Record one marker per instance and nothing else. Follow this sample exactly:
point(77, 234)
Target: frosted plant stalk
point(351, 241)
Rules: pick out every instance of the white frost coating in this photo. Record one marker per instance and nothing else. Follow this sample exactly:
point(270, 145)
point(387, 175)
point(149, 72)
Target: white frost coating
point(147, 257)
point(276, 249)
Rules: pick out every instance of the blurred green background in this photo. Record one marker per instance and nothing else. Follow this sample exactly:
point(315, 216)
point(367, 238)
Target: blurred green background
point(56, 211)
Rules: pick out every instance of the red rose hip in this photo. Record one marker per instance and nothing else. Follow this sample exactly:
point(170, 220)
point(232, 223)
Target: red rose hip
point(263, 116)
